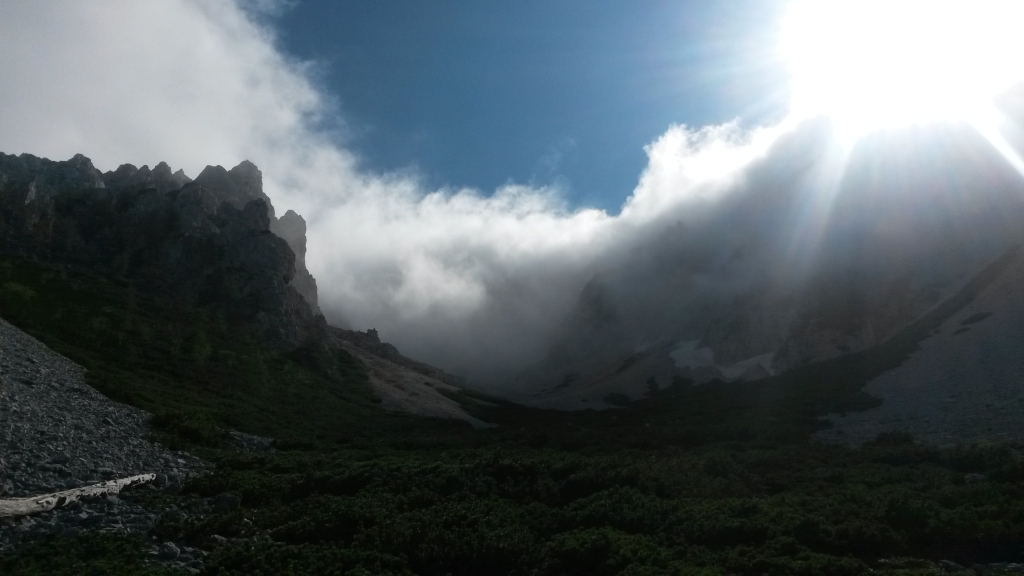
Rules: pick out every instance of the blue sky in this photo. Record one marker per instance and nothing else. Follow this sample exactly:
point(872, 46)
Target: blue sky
point(535, 91)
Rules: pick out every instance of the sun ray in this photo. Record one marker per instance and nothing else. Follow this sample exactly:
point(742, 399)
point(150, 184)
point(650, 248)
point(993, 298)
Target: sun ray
point(987, 121)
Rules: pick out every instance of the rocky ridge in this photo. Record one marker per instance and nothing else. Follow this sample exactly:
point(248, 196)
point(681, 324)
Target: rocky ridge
point(214, 242)
point(206, 241)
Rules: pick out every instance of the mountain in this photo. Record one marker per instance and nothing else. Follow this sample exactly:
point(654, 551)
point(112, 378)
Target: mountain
point(168, 296)
point(212, 243)
point(207, 241)
point(809, 262)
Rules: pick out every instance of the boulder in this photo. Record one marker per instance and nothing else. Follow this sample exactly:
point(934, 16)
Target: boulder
point(226, 502)
point(168, 551)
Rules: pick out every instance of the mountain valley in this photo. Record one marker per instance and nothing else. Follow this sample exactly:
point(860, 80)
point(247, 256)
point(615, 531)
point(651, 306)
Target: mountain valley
point(157, 324)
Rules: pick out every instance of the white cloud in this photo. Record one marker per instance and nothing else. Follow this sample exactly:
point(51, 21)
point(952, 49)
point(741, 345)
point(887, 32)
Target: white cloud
point(140, 82)
point(692, 167)
point(467, 279)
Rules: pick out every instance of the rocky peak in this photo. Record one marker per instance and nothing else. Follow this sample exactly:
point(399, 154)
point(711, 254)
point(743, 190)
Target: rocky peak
point(162, 170)
point(119, 177)
point(75, 173)
point(161, 178)
point(595, 308)
point(237, 186)
point(248, 177)
point(292, 229)
point(162, 173)
point(40, 177)
point(81, 170)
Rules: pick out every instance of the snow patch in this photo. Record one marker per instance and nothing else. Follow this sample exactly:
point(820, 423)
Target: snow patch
point(688, 355)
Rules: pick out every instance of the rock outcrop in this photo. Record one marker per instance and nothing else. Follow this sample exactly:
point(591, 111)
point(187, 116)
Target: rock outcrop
point(238, 186)
point(400, 383)
point(160, 178)
point(42, 178)
point(207, 242)
point(292, 229)
point(369, 342)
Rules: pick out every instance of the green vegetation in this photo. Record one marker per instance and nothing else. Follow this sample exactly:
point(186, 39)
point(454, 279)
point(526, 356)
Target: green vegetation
point(715, 479)
point(797, 509)
point(91, 554)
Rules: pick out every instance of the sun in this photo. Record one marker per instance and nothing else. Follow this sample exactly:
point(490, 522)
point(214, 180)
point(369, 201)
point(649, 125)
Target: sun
point(876, 64)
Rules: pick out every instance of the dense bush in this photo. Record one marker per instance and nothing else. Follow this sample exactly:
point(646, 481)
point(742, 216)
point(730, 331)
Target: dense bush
point(87, 554)
point(519, 510)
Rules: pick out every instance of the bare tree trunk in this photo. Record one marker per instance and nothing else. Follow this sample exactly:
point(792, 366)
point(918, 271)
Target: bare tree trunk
point(37, 504)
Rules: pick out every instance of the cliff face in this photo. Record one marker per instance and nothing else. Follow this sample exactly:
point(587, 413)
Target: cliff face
point(208, 242)
point(292, 229)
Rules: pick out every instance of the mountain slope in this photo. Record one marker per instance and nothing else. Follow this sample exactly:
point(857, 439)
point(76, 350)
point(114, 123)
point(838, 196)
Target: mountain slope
point(966, 381)
point(794, 272)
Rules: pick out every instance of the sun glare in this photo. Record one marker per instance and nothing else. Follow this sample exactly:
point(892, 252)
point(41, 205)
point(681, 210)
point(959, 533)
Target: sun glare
point(874, 64)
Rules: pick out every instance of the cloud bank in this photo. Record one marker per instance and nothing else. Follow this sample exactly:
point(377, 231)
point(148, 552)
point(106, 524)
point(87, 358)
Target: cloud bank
point(474, 281)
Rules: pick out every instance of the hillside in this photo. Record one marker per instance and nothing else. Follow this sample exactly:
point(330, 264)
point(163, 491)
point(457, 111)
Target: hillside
point(964, 382)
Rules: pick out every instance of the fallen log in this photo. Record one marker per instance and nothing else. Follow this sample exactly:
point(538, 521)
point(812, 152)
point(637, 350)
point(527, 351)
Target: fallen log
point(36, 504)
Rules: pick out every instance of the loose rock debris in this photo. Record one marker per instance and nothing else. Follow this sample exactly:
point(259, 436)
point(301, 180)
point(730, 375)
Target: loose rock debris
point(61, 438)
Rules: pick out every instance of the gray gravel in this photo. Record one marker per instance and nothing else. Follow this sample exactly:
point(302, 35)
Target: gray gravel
point(964, 385)
point(57, 433)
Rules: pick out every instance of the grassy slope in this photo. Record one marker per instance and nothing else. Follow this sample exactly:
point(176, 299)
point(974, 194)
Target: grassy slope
point(712, 479)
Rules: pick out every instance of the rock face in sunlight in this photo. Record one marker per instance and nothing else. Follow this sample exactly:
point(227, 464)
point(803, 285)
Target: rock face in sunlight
point(913, 217)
